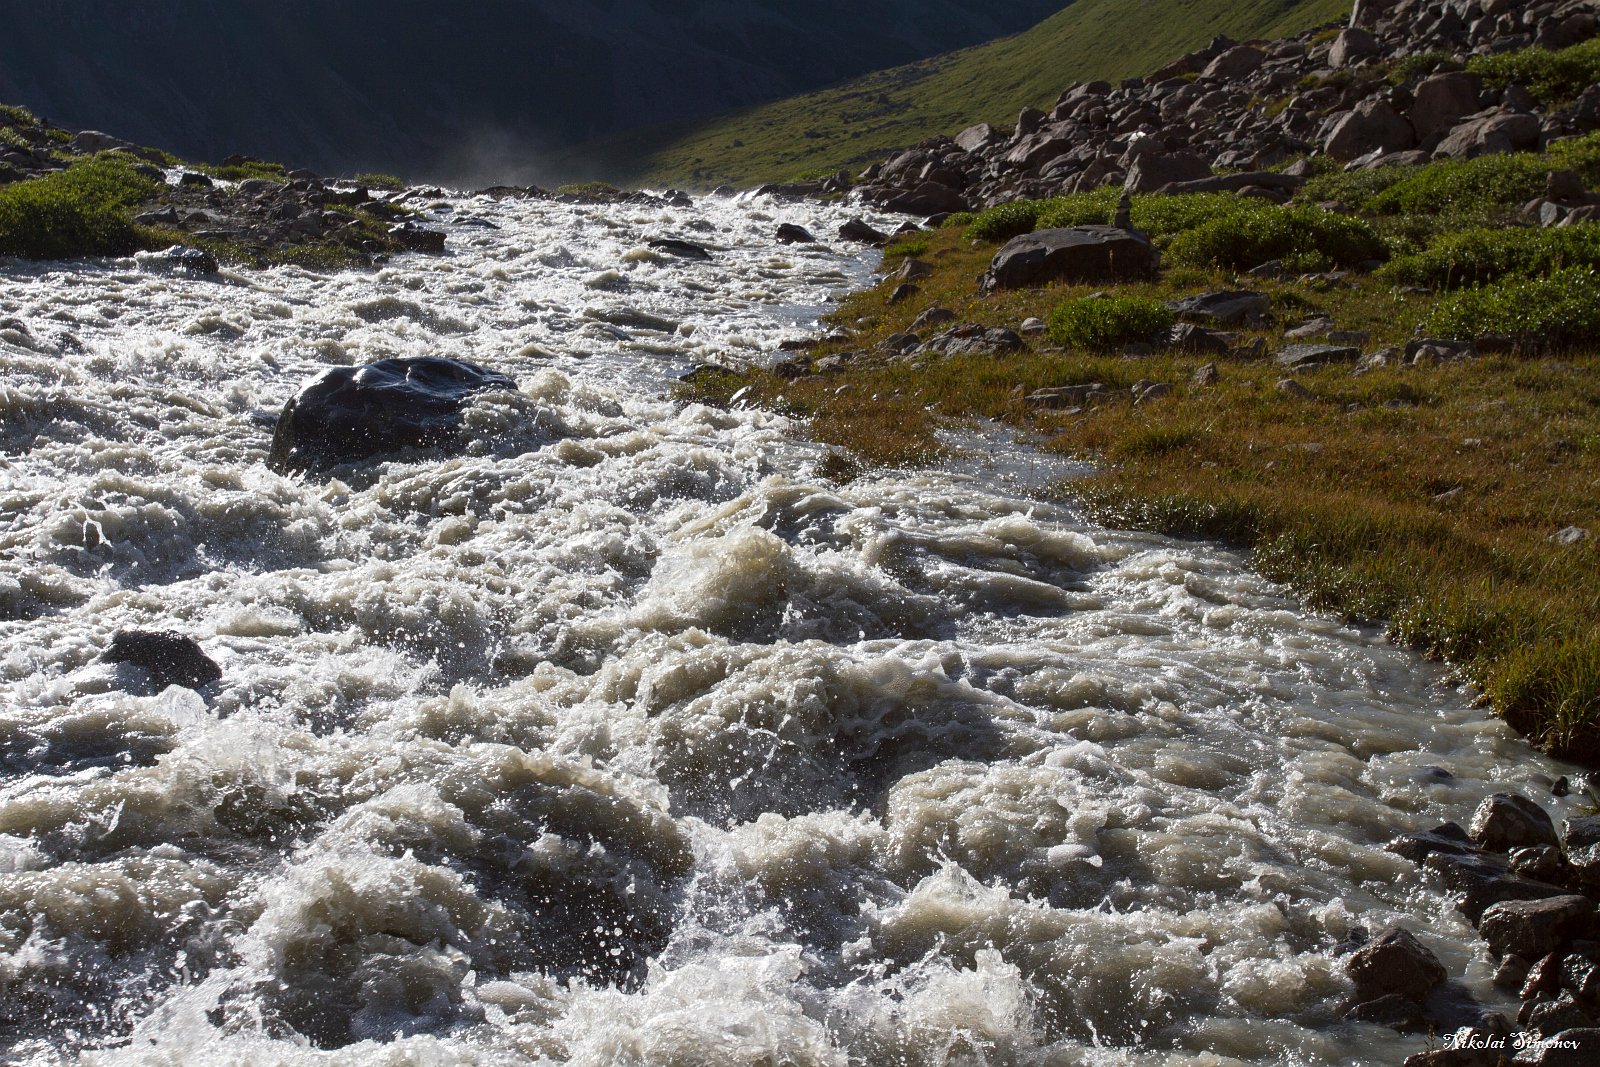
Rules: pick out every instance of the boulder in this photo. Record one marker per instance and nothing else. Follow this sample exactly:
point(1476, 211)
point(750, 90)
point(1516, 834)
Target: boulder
point(1187, 337)
point(1372, 126)
point(1073, 255)
point(1490, 133)
point(1395, 963)
point(928, 198)
point(1235, 63)
point(1351, 47)
point(790, 234)
point(1152, 171)
point(1534, 928)
point(168, 658)
point(672, 246)
point(414, 238)
point(976, 137)
point(1224, 308)
point(347, 414)
point(1448, 838)
point(1482, 881)
point(178, 259)
point(1442, 101)
point(1506, 821)
point(858, 230)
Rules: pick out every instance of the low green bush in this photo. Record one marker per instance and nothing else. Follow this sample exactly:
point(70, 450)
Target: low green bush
point(1005, 221)
point(380, 181)
point(12, 115)
point(1476, 257)
point(1104, 323)
point(1552, 77)
point(81, 211)
point(1562, 309)
point(1254, 233)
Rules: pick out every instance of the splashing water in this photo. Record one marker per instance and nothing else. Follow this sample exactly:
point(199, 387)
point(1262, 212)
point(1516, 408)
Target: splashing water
point(626, 738)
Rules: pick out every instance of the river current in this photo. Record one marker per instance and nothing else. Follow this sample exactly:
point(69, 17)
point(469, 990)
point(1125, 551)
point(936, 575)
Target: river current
point(629, 738)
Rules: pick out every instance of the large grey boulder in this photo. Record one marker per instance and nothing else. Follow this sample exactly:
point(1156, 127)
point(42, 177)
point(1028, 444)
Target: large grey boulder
point(1372, 126)
point(1442, 101)
point(1151, 172)
point(1075, 255)
point(982, 135)
point(1490, 133)
point(1351, 47)
point(1235, 63)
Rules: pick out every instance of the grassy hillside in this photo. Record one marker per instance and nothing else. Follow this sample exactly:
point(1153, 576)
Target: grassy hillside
point(863, 119)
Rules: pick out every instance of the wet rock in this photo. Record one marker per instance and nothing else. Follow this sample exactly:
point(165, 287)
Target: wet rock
point(1392, 1010)
point(1552, 1016)
point(1076, 255)
point(1505, 821)
point(1301, 357)
point(790, 234)
point(347, 414)
point(1575, 1047)
point(179, 259)
point(672, 246)
point(1225, 308)
point(413, 238)
point(1534, 928)
point(858, 230)
point(1395, 963)
point(1447, 838)
point(1483, 880)
point(1580, 838)
point(168, 658)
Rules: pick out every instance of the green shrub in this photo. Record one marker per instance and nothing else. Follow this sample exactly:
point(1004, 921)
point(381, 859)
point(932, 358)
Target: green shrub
point(82, 211)
point(1475, 257)
point(1254, 233)
point(1552, 77)
point(380, 181)
point(243, 172)
point(1005, 221)
point(1562, 309)
point(1103, 323)
point(1420, 65)
point(12, 115)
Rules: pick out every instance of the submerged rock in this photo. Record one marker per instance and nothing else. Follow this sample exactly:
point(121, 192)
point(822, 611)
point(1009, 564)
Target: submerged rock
point(1396, 963)
point(179, 259)
point(353, 413)
point(168, 658)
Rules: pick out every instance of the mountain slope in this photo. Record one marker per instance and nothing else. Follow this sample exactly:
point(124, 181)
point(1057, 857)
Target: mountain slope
point(864, 118)
point(450, 91)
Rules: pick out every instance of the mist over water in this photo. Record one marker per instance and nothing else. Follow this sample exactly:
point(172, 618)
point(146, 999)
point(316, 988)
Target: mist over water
point(629, 739)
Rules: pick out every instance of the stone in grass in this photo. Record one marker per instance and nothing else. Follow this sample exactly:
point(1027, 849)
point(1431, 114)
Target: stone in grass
point(347, 414)
point(1395, 963)
point(1077, 255)
point(1226, 308)
point(168, 658)
point(1505, 821)
point(1302, 357)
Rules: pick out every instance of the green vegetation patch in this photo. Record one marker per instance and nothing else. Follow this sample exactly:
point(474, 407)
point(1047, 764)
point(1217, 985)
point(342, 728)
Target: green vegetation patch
point(1106, 323)
point(1552, 77)
point(81, 211)
point(1475, 257)
point(391, 182)
point(1258, 233)
point(1559, 311)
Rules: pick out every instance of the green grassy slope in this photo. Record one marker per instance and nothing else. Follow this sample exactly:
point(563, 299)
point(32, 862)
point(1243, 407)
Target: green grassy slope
point(863, 119)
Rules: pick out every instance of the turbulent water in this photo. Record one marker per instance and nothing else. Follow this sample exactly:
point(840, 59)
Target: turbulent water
point(627, 737)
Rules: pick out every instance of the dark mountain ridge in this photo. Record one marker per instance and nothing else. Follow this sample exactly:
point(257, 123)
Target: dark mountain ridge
point(448, 91)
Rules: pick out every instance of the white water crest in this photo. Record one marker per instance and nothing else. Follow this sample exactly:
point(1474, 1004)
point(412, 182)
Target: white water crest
point(628, 738)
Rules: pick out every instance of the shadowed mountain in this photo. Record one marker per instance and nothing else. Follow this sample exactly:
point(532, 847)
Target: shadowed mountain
point(467, 91)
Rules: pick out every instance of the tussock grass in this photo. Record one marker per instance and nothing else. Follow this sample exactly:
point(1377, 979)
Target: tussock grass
point(1561, 310)
point(1110, 322)
point(1474, 257)
point(81, 211)
point(1552, 77)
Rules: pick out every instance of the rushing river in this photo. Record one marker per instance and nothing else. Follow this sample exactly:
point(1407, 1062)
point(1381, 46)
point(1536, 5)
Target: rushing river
point(628, 738)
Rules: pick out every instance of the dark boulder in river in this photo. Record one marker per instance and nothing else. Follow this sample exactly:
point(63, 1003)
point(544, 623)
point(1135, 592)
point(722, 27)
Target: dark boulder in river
point(168, 658)
point(353, 413)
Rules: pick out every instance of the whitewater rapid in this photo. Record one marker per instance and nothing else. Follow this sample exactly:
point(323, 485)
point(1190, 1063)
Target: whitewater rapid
point(628, 738)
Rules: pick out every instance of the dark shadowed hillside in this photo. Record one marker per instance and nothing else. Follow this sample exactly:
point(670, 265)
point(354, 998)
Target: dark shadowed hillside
point(445, 89)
